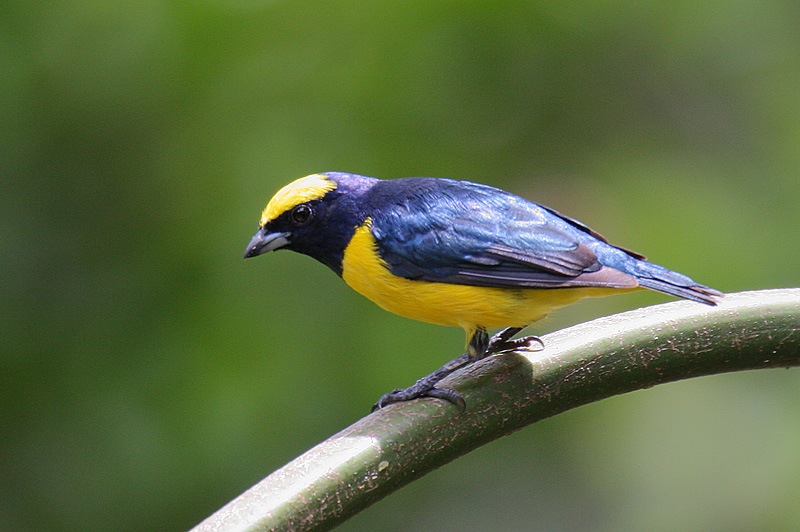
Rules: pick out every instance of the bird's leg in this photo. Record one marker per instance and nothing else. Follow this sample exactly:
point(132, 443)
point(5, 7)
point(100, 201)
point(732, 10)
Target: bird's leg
point(425, 387)
point(480, 346)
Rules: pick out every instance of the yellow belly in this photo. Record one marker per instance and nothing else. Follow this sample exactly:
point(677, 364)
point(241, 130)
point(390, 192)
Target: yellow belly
point(447, 304)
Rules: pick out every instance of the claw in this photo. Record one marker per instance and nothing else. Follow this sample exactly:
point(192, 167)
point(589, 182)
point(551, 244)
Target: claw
point(400, 395)
point(504, 341)
point(451, 396)
point(526, 343)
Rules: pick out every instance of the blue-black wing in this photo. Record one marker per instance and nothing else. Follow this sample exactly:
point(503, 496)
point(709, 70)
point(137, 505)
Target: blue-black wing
point(464, 233)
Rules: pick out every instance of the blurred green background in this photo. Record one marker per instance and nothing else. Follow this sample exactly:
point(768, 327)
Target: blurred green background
point(149, 375)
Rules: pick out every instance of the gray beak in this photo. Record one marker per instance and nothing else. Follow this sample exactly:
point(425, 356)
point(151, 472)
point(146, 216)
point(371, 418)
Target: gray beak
point(263, 242)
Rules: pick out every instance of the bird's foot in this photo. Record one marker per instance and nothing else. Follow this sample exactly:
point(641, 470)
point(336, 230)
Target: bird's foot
point(425, 387)
point(503, 342)
point(480, 346)
point(400, 395)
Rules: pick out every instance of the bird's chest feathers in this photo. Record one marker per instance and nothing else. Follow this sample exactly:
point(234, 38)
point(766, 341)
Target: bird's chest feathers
point(368, 274)
point(439, 303)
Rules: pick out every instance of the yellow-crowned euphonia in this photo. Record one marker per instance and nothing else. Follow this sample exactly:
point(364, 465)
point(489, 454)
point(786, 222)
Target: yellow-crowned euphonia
point(454, 253)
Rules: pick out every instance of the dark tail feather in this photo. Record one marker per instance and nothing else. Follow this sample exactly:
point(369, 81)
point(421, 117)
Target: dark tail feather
point(678, 285)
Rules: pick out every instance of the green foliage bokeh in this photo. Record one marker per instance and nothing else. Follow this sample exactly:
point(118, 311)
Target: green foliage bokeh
point(149, 374)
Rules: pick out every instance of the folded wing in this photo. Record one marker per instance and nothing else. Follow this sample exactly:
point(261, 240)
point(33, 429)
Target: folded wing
point(471, 234)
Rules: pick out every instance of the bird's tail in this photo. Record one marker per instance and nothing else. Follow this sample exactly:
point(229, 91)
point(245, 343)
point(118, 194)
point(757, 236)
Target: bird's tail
point(676, 284)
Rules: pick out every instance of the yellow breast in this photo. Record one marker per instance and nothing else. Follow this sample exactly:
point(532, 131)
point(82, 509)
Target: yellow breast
point(447, 304)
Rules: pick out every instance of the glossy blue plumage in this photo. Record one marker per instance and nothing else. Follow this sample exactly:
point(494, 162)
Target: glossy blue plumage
point(459, 232)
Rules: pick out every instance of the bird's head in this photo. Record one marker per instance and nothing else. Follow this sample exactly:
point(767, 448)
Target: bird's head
point(315, 215)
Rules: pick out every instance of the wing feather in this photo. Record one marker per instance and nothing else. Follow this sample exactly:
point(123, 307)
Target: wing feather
point(463, 233)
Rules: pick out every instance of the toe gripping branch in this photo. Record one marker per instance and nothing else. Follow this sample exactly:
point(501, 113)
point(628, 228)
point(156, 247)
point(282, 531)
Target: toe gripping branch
point(480, 346)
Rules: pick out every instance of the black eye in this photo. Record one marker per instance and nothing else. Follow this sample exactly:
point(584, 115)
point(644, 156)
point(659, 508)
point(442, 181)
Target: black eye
point(301, 214)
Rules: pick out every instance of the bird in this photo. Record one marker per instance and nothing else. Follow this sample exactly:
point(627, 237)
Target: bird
point(455, 253)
